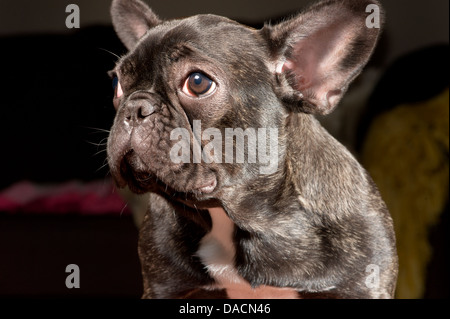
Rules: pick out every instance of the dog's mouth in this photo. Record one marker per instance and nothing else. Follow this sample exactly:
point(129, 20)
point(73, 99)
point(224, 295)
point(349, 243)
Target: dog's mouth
point(134, 173)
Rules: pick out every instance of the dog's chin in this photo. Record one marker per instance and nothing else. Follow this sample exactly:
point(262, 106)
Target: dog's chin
point(139, 181)
point(132, 173)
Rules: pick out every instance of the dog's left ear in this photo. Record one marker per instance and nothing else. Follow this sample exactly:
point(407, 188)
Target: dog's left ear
point(318, 53)
point(131, 20)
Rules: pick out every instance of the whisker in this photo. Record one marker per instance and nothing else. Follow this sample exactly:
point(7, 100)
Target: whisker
point(123, 209)
point(97, 144)
point(112, 53)
point(100, 152)
point(104, 141)
point(102, 167)
point(97, 129)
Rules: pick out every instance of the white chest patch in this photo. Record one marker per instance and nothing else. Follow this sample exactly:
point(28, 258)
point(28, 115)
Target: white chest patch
point(217, 252)
point(217, 249)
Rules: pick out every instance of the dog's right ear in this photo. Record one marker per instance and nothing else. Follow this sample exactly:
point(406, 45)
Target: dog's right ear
point(131, 20)
point(318, 53)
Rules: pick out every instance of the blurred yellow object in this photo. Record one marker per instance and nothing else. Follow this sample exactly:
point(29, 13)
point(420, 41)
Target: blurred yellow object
point(406, 152)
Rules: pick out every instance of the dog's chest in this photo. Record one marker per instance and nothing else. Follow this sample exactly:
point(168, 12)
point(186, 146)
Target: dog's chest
point(217, 252)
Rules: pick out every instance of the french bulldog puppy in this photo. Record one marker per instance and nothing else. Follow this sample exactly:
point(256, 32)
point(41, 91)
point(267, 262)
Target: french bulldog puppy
point(201, 102)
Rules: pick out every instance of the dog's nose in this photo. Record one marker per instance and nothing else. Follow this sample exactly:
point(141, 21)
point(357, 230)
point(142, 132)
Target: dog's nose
point(138, 110)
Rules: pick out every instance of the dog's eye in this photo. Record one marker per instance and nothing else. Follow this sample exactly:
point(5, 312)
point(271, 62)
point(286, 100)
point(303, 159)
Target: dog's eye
point(198, 84)
point(117, 87)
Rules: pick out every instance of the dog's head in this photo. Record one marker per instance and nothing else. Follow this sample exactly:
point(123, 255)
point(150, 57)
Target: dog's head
point(185, 82)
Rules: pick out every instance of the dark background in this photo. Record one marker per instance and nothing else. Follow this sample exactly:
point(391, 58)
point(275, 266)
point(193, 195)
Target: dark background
point(55, 106)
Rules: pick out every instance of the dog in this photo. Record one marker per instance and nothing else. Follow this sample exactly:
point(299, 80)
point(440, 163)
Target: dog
point(229, 221)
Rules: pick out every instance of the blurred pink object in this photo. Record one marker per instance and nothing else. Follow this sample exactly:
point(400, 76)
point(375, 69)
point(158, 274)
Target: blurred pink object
point(92, 198)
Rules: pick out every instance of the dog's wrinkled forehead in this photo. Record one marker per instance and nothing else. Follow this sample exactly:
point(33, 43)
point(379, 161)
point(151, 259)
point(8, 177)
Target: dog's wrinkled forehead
point(202, 38)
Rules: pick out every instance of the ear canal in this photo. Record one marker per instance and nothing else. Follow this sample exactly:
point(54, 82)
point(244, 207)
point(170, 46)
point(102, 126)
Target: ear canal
point(131, 20)
point(318, 53)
